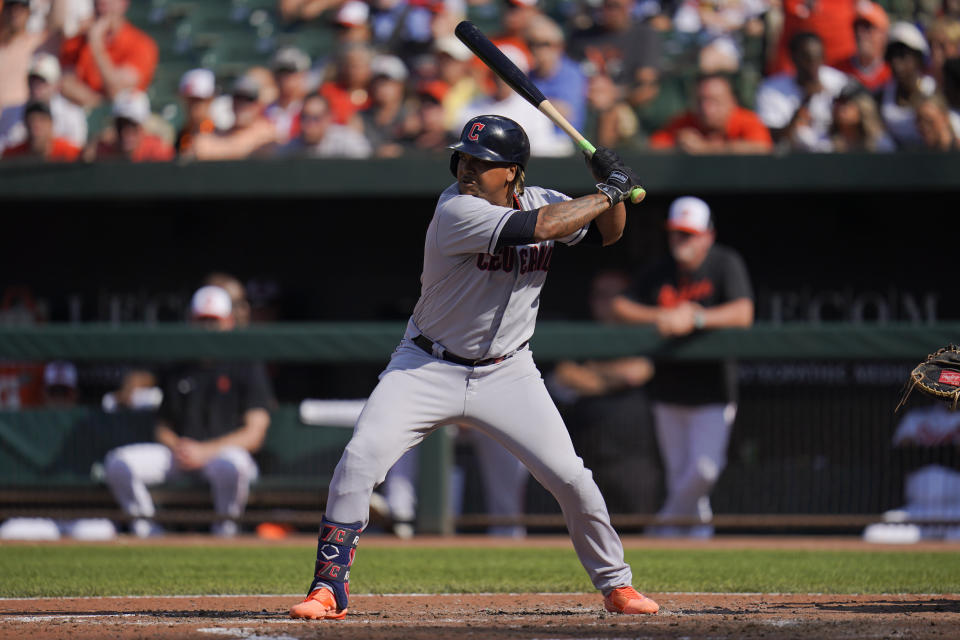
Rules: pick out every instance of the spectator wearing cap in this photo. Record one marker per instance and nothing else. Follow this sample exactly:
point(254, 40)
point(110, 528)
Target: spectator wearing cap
point(385, 121)
point(544, 138)
point(353, 22)
point(290, 66)
point(109, 57)
point(856, 124)
point(797, 106)
point(944, 38)
point(933, 124)
point(60, 384)
point(620, 53)
point(870, 29)
point(462, 79)
point(251, 134)
point(17, 45)
point(428, 127)
point(717, 124)
point(69, 120)
point(213, 417)
point(906, 54)
point(197, 88)
point(41, 142)
point(829, 19)
point(321, 137)
point(700, 286)
point(717, 27)
point(557, 76)
point(132, 142)
point(349, 91)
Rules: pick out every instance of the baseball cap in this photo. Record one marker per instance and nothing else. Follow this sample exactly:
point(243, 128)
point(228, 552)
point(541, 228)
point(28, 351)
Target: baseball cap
point(453, 48)
point(46, 66)
point(197, 83)
point(873, 13)
point(689, 214)
point(290, 59)
point(211, 302)
point(60, 374)
point(246, 87)
point(522, 3)
point(908, 35)
point(353, 14)
point(389, 66)
point(131, 105)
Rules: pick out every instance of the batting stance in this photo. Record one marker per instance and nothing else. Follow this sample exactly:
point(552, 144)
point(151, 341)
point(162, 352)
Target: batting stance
point(464, 356)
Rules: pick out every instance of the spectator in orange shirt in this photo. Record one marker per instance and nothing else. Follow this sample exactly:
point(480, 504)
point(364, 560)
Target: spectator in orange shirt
point(348, 93)
point(717, 124)
point(829, 19)
point(131, 110)
point(41, 143)
point(870, 30)
point(196, 88)
point(110, 57)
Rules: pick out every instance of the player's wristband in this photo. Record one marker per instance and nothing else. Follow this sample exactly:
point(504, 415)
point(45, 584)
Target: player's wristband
point(698, 320)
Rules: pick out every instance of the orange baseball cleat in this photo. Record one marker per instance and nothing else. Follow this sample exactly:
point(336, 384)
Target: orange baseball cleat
point(319, 605)
point(628, 600)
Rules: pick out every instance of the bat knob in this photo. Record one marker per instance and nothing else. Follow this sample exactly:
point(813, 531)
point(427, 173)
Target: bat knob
point(637, 195)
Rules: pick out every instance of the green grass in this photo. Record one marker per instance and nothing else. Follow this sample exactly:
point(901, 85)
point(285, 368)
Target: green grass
point(31, 571)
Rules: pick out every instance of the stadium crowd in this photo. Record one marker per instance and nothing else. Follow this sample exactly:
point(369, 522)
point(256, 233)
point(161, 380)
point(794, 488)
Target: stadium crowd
point(81, 80)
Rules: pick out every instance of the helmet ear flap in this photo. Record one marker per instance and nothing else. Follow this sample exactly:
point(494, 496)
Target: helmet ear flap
point(454, 161)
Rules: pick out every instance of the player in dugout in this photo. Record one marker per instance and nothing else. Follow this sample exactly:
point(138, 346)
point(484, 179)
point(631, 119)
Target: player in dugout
point(465, 356)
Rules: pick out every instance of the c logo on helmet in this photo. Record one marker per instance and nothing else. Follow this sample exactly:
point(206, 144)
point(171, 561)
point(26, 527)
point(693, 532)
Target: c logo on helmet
point(475, 131)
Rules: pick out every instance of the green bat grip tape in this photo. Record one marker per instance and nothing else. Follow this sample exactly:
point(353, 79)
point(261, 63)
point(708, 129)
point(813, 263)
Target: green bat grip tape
point(637, 194)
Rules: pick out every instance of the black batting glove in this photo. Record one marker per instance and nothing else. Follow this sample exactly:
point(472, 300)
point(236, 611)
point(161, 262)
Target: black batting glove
point(618, 184)
point(603, 162)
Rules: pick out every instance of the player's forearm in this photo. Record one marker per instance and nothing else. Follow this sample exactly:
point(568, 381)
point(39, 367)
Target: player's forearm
point(250, 436)
point(163, 434)
point(560, 219)
point(611, 223)
point(629, 312)
point(733, 314)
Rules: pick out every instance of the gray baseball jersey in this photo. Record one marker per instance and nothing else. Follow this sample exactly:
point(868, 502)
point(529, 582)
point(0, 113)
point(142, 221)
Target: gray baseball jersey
point(475, 301)
point(478, 302)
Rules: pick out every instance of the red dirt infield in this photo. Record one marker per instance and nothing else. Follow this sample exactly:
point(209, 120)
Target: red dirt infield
point(499, 616)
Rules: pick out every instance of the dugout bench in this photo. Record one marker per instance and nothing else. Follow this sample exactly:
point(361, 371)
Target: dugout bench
point(51, 466)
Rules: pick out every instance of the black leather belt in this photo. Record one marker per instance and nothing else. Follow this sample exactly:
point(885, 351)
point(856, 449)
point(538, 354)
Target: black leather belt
point(426, 344)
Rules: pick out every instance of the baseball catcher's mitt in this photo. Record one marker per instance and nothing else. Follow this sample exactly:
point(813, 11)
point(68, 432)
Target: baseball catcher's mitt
point(938, 376)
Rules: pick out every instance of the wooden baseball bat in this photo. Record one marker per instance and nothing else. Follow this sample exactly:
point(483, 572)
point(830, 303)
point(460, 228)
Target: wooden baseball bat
point(473, 38)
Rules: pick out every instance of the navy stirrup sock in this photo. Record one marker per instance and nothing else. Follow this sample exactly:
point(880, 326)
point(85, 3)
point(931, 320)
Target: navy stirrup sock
point(336, 547)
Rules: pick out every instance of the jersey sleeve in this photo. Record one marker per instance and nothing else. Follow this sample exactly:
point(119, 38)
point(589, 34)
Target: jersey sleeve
point(736, 280)
point(258, 392)
point(467, 224)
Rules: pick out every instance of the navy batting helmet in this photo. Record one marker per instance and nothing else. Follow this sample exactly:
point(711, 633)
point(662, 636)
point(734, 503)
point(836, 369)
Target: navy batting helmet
point(493, 138)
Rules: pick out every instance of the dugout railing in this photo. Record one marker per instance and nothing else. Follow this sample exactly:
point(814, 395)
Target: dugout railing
point(811, 448)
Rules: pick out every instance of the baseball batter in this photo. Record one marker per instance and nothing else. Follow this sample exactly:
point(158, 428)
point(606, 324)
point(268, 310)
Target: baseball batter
point(464, 356)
